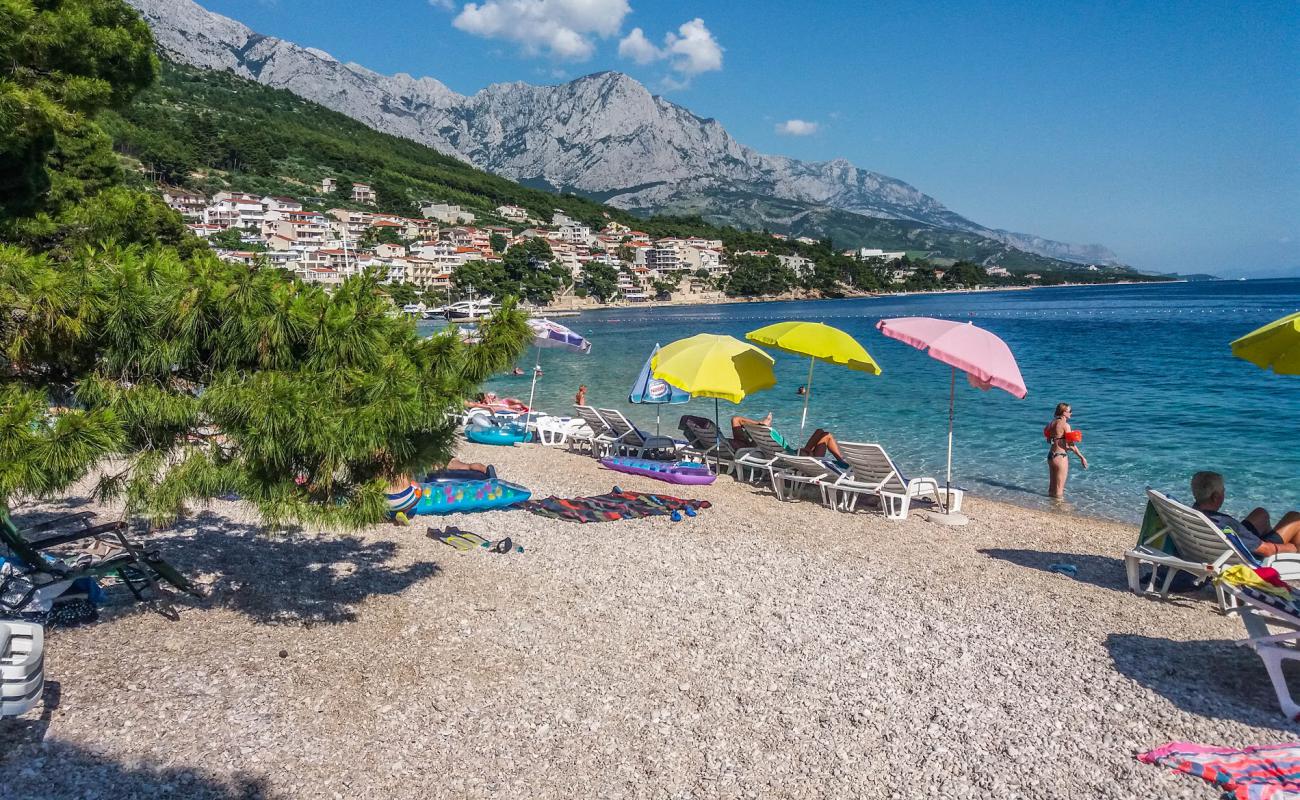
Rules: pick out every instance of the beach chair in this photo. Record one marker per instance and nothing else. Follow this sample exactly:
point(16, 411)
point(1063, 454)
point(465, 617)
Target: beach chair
point(557, 431)
point(101, 550)
point(631, 439)
point(1201, 548)
point(22, 666)
point(1258, 611)
point(602, 439)
point(705, 442)
point(873, 473)
point(759, 459)
point(787, 471)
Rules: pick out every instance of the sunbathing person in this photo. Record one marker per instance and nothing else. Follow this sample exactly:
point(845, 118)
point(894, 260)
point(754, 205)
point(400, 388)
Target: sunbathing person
point(819, 444)
point(1255, 530)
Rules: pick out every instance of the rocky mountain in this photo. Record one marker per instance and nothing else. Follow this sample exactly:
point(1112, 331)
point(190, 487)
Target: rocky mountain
point(604, 136)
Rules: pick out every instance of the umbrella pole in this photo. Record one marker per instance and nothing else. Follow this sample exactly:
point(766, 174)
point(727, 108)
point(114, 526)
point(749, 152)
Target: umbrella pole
point(658, 407)
point(537, 365)
point(952, 399)
point(807, 393)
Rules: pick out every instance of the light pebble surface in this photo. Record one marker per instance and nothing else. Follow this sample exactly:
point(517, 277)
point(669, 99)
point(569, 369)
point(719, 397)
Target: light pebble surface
point(762, 649)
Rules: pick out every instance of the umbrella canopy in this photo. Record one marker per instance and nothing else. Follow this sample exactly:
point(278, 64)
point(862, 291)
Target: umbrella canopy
point(710, 365)
point(819, 342)
point(552, 335)
point(1275, 346)
point(986, 359)
point(649, 389)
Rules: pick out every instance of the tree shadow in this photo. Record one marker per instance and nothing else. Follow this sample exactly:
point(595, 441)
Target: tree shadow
point(1208, 678)
point(1104, 571)
point(57, 769)
point(286, 577)
point(283, 577)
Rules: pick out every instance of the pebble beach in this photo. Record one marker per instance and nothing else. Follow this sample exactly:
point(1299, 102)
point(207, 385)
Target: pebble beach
point(762, 649)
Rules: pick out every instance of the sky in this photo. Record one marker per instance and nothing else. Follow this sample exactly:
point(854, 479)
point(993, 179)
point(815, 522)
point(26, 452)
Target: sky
point(1167, 131)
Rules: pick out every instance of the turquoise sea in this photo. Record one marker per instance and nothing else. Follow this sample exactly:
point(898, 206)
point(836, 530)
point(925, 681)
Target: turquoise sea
point(1146, 367)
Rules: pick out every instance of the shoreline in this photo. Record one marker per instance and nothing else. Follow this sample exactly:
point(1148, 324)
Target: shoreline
point(653, 304)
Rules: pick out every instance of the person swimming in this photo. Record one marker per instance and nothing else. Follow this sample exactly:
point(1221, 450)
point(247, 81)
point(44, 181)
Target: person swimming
point(1061, 441)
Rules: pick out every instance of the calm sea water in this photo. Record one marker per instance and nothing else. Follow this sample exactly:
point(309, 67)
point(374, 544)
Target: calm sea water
point(1147, 369)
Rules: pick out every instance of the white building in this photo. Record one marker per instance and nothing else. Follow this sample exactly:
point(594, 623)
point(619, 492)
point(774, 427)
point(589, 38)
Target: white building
point(447, 214)
point(362, 193)
point(513, 213)
point(327, 185)
point(865, 253)
point(798, 264)
point(234, 210)
point(189, 204)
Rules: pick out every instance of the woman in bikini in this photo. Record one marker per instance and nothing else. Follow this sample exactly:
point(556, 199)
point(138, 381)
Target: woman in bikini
point(1059, 447)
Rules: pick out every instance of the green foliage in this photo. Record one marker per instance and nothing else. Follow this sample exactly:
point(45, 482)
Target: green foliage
point(965, 274)
point(206, 377)
point(404, 294)
point(498, 242)
point(232, 239)
point(380, 235)
point(527, 270)
point(128, 348)
point(752, 276)
point(64, 60)
point(599, 281)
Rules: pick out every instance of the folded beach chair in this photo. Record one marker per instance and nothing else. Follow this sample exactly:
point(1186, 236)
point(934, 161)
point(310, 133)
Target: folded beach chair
point(635, 441)
point(22, 666)
point(602, 439)
point(1260, 610)
point(705, 442)
point(872, 472)
point(1199, 548)
point(101, 550)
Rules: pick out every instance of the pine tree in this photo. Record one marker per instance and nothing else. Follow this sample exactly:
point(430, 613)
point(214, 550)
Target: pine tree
point(129, 348)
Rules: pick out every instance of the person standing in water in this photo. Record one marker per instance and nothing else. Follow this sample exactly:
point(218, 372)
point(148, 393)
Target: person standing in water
point(581, 397)
point(1061, 441)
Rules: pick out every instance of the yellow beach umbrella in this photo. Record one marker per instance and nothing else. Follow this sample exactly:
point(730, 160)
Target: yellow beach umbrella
point(819, 342)
point(710, 365)
point(1275, 346)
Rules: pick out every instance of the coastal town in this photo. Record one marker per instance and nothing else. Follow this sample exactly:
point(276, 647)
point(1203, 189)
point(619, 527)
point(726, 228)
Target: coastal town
point(326, 245)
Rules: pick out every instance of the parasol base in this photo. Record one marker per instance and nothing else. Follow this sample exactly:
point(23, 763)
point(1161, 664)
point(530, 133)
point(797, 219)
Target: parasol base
point(952, 518)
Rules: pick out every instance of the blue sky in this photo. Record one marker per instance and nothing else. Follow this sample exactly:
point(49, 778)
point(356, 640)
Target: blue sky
point(1167, 131)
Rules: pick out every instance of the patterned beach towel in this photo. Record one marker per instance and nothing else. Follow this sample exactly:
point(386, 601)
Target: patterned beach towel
point(615, 505)
point(1262, 772)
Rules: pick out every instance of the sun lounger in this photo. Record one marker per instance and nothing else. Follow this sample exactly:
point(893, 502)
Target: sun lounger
point(1202, 549)
point(22, 666)
point(101, 550)
point(632, 440)
point(759, 460)
point(786, 470)
point(556, 431)
point(873, 473)
point(1258, 612)
point(602, 439)
point(705, 442)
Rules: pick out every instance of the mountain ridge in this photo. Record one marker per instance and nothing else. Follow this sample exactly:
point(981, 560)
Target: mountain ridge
point(601, 135)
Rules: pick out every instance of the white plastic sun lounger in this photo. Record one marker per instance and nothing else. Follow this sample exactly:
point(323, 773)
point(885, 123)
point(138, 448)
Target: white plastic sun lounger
point(1203, 548)
point(631, 439)
point(873, 473)
point(705, 442)
point(1258, 612)
point(603, 438)
point(759, 459)
point(22, 667)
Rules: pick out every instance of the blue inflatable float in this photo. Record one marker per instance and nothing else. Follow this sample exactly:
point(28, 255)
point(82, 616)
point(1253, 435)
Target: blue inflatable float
point(451, 497)
point(502, 434)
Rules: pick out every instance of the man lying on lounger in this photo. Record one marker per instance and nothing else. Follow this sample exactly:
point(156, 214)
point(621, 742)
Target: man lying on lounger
point(819, 444)
point(1255, 532)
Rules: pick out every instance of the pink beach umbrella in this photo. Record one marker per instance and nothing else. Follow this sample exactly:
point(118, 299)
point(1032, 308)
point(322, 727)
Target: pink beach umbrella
point(986, 359)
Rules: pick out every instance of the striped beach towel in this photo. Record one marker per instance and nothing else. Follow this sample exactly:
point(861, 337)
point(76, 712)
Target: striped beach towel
point(1261, 772)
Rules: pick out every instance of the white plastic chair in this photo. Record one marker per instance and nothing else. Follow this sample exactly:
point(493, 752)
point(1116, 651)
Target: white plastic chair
point(632, 439)
point(1203, 549)
point(1258, 611)
point(603, 438)
point(22, 667)
point(873, 473)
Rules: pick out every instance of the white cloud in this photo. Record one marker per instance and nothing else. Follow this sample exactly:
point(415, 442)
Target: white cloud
point(565, 29)
point(690, 51)
point(638, 48)
point(797, 127)
point(694, 50)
